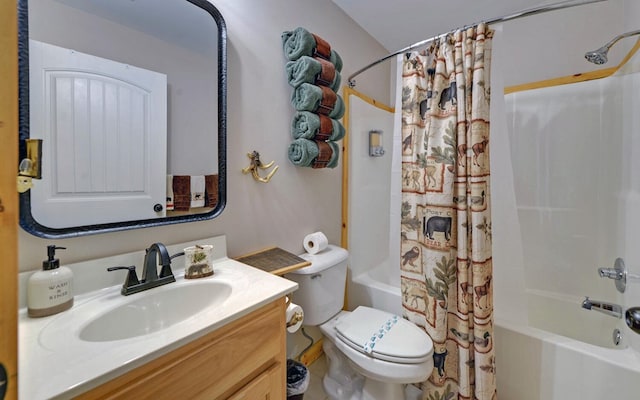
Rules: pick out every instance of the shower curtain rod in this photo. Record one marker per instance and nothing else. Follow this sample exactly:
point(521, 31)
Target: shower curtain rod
point(504, 18)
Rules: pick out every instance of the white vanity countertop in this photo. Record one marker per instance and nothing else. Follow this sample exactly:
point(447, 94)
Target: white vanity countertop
point(71, 366)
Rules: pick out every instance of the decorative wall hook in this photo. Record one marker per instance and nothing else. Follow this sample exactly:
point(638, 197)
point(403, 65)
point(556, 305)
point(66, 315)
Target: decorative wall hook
point(255, 165)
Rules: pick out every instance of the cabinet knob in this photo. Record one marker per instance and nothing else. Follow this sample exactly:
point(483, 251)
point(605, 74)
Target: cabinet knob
point(158, 207)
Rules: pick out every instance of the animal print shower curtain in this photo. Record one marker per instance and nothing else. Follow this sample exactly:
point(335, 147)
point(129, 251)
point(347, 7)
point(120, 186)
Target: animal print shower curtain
point(445, 262)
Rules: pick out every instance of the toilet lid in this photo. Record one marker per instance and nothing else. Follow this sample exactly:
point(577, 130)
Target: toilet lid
point(384, 335)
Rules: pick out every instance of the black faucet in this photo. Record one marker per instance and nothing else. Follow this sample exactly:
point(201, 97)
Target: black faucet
point(150, 278)
point(150, 269)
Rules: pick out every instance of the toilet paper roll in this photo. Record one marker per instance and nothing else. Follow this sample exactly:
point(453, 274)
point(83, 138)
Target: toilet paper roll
point(315, 242)
point(294, 316)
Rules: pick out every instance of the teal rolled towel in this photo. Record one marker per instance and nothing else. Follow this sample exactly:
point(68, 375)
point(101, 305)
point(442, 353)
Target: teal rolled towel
point(300, 42)
point(304, 152)
point(307, 125)
point(310, 70)
point(308, 97)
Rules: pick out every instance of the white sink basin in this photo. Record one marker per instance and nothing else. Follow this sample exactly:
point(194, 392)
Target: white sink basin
point(152, 311)
point(113, 317)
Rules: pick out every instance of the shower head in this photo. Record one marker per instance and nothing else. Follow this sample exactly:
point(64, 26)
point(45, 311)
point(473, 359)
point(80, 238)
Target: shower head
point(599, 56)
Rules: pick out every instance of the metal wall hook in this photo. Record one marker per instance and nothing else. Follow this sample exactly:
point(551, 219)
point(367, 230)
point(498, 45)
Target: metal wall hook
point(256, 165)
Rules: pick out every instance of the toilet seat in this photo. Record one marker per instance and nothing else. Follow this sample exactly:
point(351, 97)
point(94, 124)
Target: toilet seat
point(375, 368)
point(384, 336)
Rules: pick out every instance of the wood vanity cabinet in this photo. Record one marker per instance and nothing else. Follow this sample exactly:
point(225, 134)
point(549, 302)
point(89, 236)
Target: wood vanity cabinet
point(243, 360)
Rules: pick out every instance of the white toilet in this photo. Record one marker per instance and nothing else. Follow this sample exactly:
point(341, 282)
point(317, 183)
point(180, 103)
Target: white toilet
point(372, 354)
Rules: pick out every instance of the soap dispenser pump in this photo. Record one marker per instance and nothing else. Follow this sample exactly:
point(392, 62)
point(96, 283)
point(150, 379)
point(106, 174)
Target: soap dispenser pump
point(50, 291)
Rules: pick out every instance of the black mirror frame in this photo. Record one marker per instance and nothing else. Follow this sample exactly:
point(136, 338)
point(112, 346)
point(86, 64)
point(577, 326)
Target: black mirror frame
point(29, 224)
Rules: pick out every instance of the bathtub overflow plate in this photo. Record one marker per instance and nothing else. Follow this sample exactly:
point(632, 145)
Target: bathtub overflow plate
point(617, 337)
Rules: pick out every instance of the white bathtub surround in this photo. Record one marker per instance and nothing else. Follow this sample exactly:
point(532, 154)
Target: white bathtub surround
point(508, 265)
point(446, 260)
point(575, 219)
point(64, 366)
point(629, 197)
point(576, 211)
point(374, 230)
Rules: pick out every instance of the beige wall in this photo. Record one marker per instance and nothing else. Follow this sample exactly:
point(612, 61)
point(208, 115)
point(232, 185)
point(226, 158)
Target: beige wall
point(297, 200)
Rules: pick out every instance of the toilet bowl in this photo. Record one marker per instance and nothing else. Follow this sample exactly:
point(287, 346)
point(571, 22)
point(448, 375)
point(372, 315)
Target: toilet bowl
point(372, 354)
point(408, 357)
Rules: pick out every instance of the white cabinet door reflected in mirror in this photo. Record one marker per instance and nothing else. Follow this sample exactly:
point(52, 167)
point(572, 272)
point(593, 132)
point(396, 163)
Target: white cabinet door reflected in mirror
point(104, 131)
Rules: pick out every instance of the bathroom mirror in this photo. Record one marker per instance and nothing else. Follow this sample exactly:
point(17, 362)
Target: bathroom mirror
point(183, 42)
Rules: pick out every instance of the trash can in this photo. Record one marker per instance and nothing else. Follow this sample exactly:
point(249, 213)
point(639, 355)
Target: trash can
point(298, 378)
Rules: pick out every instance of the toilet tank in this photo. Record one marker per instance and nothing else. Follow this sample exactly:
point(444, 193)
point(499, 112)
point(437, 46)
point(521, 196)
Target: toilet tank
point(321, 285)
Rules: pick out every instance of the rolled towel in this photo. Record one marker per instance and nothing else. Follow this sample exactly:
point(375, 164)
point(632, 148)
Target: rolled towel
point(310, 153)
point(300, 42)
point(313, 126)
point(319, 99)
point(313, 70)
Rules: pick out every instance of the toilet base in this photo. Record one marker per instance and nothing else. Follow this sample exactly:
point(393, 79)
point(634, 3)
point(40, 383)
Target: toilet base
point(341, 382)
point(377, 390)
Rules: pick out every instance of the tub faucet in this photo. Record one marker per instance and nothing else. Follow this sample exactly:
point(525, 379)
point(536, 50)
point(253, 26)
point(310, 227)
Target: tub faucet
point(606, 308)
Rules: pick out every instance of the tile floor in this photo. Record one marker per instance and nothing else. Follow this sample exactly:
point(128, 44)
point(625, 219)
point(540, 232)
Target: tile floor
point(317, 370)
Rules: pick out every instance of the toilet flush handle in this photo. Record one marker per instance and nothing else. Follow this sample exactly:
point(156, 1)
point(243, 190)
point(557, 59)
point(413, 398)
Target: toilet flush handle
point(316, 276)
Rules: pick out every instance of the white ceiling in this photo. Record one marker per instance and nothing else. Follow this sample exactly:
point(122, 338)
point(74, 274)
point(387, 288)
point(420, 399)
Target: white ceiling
point(400, 23)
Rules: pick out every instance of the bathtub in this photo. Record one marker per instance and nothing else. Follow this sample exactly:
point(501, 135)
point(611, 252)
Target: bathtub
point(375, 288)
point(565, 353)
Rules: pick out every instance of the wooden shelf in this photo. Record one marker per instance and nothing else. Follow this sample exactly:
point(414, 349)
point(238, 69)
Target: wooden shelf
point(274, 260)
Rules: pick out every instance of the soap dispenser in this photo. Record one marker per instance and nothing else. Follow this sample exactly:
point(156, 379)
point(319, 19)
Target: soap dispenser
point(50, 291)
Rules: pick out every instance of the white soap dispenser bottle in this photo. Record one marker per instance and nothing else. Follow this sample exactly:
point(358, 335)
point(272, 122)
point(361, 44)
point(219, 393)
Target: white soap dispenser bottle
point(50, 291)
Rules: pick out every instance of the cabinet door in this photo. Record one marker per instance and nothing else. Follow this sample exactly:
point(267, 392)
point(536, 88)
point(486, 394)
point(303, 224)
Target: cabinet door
point(266, 386)
point(104, 127)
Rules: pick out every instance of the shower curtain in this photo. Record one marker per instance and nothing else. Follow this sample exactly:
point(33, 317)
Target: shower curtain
point(446, 265)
